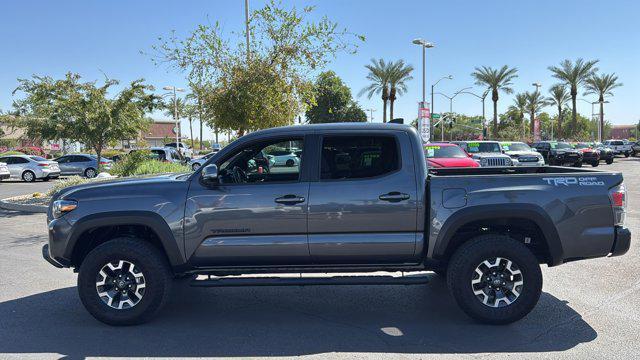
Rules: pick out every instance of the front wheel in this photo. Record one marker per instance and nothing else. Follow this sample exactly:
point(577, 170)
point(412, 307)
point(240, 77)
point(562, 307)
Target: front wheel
point(595, 163)
point(626, 154)
point(494, 279)
point(124, 281)
point(90, 173)
point(578, 164)
point(609, 161)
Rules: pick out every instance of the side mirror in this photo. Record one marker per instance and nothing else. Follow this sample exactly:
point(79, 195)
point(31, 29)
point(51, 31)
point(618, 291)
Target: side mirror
point(210, 173)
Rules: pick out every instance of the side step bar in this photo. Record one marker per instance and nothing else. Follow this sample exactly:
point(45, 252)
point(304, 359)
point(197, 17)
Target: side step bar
point(310, 281)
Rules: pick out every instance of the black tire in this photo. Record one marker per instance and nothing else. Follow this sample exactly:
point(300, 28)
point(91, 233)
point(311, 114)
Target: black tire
point(609, 161)
point(290, 163)
point(90, 173)
point(461, 272)
point(441, 272)
point(46, 179)
point(626, 154)
point(595, 163)
point(578, 164)
point(148, 259)
point(28, 176)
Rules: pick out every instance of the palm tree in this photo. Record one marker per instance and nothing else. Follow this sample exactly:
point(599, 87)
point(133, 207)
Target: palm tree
point(496, 80)
point(602, 85)
point(519, 105)
point(398, 76)
point(535, 102)
point(574, 75)
point(379, 78)
point(559, 98)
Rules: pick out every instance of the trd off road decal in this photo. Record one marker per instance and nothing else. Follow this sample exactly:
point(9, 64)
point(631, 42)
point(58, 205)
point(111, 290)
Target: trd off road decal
point(580, 181)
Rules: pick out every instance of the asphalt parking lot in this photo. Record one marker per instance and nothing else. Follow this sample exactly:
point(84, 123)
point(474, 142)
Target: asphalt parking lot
point(588, 309)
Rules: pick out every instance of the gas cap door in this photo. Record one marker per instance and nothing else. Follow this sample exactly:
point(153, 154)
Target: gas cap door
point(454, 198)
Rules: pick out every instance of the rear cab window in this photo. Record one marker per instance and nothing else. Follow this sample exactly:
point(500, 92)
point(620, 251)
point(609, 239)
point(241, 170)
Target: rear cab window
point(358, 157)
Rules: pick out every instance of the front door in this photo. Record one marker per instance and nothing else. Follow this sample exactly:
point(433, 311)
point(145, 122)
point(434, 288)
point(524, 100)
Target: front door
point(363, 209)
point(255, 214)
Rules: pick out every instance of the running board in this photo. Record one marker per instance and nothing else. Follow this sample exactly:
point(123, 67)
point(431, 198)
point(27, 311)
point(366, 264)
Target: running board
point(310, 281)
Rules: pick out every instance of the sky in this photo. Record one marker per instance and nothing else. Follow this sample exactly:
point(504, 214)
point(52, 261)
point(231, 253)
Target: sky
point(94, 38)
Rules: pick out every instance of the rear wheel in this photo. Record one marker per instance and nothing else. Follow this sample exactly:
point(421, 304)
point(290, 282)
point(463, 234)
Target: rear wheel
point(578, 164)
point(626, 154)
point(494, 279)
point(124, 281)
point(595, 163)
point(610, 161)
point(28, 176)
point(90, 173)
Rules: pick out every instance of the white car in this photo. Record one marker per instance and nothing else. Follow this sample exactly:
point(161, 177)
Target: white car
point(196, 163)
point(620, 147)
point(4, 171)
point(184, 149)
point(522, 154)
point(166, 154)
point(31, 167)
point(288, 160)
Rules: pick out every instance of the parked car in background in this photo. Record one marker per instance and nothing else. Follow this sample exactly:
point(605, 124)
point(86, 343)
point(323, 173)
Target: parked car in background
point(283, 157)
point(195, 164)
point(185, 150)
point(522, 154)
point(29, 168)
point(441, 155)
point(605, 152)
point(168, 154)
point(4, 171)
point(619, 147)
point(215, 147)
point(486, 153)
point(589, 155)
point(635, 148)
point(559, 153)
point(83, 165)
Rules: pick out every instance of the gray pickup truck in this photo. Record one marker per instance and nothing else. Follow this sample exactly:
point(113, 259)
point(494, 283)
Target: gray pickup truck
point(360, 200)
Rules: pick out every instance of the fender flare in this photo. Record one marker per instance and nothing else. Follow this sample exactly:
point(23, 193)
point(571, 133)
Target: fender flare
point(501, 211)
point(150, 219)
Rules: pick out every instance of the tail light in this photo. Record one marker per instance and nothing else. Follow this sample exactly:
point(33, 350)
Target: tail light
point(618, 197)
point(43, 165)
point(104, 163)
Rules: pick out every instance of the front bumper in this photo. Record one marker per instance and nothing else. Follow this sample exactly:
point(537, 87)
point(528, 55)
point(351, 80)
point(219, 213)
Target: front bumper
point(5, 176)
point(528, 163)
point(621, 242)
point(47, 256)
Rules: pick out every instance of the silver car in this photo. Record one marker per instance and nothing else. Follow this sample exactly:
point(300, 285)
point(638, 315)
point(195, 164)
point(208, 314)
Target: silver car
point(4, 171)
point(31, 167)
point(196, 163)
point(82, 164)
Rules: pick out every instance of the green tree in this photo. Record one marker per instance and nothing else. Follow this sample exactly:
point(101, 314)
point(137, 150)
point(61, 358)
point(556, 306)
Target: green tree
point(268, 86)
point(399, 75)
point(332, 101)
point(602, 85)
point(82, 111)
point(535, 102)
point(519, 105)
point(378, 78)
point(574, 75)
point(559, 96)
point(497, 80)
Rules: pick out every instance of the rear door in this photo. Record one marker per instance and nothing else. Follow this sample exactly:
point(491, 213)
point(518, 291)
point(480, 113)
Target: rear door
point(362, 209)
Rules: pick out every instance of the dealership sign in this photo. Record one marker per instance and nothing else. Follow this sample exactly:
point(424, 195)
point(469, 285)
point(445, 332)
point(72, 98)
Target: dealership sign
point(424, 115)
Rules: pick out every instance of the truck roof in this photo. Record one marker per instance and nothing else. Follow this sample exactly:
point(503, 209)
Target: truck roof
point(334, 126)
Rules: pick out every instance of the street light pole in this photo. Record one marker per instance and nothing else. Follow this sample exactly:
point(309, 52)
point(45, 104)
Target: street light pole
point(175, 114)
point(450, 105)
point(246, 20)
point(371, 110)
point(449, 77)
point(424, 44)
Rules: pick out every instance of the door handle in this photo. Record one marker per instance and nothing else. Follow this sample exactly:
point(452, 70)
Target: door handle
point(290, 199)
point(394, 196)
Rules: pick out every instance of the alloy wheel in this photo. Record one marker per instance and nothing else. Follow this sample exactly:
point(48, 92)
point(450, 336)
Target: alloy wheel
point(120, 284)
point(497, 282)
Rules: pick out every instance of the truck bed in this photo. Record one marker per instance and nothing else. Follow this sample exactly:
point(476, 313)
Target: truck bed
point(512, 170)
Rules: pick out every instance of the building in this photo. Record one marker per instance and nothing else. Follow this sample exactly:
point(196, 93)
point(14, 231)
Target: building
point(624, 132)
point(159, 133)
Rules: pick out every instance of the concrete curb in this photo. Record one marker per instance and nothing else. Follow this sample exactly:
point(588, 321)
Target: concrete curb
point(8, 205)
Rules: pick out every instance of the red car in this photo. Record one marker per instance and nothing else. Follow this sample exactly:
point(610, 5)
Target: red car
point(441, 155)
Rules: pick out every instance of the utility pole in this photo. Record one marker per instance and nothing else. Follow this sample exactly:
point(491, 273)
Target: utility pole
point(246, 20)
point(370, 114)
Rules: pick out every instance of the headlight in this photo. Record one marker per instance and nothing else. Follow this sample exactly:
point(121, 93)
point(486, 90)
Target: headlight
point(483, 162)
point(61, 207)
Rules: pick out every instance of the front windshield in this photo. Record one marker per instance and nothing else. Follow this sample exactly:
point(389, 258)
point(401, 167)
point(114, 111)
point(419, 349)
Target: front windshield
point(515, 146)
point(561, 145)
point(483, 147)
point(582, 146)
point(437, 151)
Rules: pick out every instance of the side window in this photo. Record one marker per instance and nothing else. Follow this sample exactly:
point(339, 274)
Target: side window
point(272, 161)
point(19, 160)
point(358, 157)
point(6, 161)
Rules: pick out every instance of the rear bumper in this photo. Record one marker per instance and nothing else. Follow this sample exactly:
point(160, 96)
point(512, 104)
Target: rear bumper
point(5, 176)
point(621, 242)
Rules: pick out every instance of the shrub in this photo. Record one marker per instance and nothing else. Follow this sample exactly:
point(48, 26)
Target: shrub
point(149, 167)
point(70, 181)
point(12, 152)
point(130, 162)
